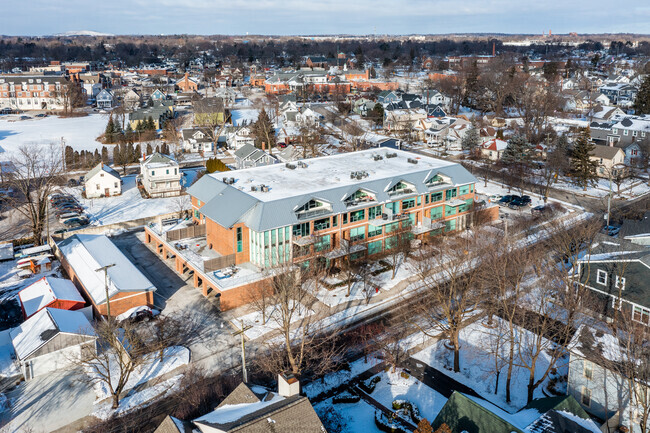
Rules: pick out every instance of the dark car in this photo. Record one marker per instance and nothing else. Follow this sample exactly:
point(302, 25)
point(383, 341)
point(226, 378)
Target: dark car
point(525, 199)
point(75, 222)
point(541, 210)
point(140, 314)
point(506, 199)
point(516, 203)
point(611, 230)
point(68, 206)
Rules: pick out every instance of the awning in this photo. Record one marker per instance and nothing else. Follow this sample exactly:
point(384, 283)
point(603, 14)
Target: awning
point(455, 202)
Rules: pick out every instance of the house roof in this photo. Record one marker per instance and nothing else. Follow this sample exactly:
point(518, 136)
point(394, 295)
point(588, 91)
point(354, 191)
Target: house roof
point(174, 425)
point(326, 179)
point(495, 144)
point(101, 167)
point(474, 415)
point(605, 152)
point(287, 414)
point(43, 292)
point(159, 159)
point(44, 326)
point(189, 135)
point(86, 253)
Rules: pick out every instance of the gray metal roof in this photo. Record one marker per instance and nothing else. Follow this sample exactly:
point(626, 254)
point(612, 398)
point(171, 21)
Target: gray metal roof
point(101, 167)
point(231, 204)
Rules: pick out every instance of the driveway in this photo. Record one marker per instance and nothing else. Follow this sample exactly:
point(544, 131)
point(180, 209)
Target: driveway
point(48, 402)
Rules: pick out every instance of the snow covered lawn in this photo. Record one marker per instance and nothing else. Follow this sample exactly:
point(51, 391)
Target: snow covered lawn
point(332, 380)
point(259, 327)
point(137, 400)
point(128, 206)
point(478, 366)
point(392, 387)
point(174, 357)
point(78, 132)
point(350, 417)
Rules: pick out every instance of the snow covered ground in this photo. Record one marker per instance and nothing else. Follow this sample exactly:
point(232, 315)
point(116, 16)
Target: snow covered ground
point(137, 400)
point(259, 327)
point(79, 132)
point(351, 417)
point(244, 116)
point(393, 386)
point(478, 366)
point(174, 357)
point(130, 205)
point(332, 380)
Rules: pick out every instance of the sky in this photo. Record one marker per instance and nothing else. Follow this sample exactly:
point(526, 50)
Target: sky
point(314, 17)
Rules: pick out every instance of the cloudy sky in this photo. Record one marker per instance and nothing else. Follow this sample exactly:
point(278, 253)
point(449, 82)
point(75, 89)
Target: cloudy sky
point(282, 17)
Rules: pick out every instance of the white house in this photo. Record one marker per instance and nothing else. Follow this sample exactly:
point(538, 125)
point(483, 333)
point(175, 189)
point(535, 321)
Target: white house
point(104, 99)
point(102, 181)
point(51, 340)
point(197, 140)
point(493, 149)
point(240, 137)
point(160, 176)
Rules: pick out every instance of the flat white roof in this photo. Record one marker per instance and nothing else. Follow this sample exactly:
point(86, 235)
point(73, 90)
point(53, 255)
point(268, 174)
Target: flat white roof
point(327, 172)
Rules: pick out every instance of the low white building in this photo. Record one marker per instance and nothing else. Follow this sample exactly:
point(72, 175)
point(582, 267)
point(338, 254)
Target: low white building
point(160, 175)
point(197, 140)
point(102, 181)
point(51, 340)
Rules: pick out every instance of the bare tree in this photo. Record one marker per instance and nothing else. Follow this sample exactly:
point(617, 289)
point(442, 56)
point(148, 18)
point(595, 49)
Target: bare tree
point(37, 170)
point(122, 353)
point(451, 293)
point(168, 331)
point(183, 204)
point(398, 244)
point(71, 97)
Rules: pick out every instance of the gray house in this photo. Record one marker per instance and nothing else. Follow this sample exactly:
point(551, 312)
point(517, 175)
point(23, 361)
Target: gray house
point(595, 384)
point(104, 99)
point(250, 156)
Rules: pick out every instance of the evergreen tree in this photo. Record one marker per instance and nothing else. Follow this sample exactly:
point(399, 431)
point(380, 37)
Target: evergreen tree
point(130, 153)
point(138, 152)
point(150, 124)
point(471, 140)
point(110, 131)
point(105, 155)
point(141, 125)
point(583, 168)
point(149, 149)
point(164, 149)
point(642, 101)
point(518, 151)
point(96, 157)
point(69, 156)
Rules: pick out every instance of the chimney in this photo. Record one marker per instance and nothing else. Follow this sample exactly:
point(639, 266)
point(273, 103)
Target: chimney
point(494, 49)
point(288, 385)
point(263, 146)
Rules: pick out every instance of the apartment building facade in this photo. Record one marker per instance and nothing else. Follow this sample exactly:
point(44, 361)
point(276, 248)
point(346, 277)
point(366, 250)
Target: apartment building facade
point(31, 92)
point(327, 208)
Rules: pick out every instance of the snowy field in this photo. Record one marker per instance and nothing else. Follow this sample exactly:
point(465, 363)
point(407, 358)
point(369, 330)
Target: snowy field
point(79, 132)
point(130, 205)
point(333, 380)
point(478, 366)
point(244, 116)
point(352, 417)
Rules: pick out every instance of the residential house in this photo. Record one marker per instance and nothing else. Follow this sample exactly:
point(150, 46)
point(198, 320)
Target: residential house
point(158, 114)
point(158, 96)
point(197, 140)
point(605, 113)
point(31, 92)
point(387, 97)
point(160, 175)
point(209, 111)
point(464, 413)
point(619, 93)
point(49, 292)
point(238, 137)
point(84, 258)
point(102, 181)
point(493, 149)
point(187, 83)
point(362, 106)
point(611, 161)
point(252, 409)
point(403, 120)
point(596, 384)
point(435, 111)
point(446, 132)
point(637, 230)
point(104, 99)
point(51, 340)
point(249, 156)
point(131, 100)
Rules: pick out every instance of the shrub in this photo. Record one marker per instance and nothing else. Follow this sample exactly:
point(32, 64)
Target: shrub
point(386, 424)
point(346, 396)
point(368, 385)
point(407, 410)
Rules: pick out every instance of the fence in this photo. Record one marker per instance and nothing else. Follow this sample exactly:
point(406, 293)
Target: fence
point(186, 232)
point(219, 263)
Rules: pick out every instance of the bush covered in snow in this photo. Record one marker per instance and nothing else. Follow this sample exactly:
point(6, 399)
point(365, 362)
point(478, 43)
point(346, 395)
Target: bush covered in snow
point(407, 410)
point(368, 385)
point(346, 396)
point(387, 424)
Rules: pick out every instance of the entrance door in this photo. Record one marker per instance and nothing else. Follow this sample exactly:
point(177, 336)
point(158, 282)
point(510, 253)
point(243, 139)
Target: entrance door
point(107, 192)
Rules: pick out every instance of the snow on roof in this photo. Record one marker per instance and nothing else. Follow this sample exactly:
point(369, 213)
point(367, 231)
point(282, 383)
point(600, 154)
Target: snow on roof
point(87, 253)
point(45, 291)
point(45, 325)
point(328, 172)
point(233, 412)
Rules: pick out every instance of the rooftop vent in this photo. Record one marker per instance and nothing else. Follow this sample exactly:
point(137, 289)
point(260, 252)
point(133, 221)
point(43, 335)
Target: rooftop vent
point(391, 155)
point(229, 180)
point(264, 188)
point(290, 166)
point(412, 161)
point(253, 188)
point(358, 175)
point(302, 164)
point(377, 157)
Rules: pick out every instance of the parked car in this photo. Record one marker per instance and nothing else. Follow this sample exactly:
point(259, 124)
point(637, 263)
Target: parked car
point(611, 230)
point(69, 206)
point(495, 197)
point(59, 212)
point(506, 199)
point(76, 222)
point(525, 199)
point(70, 215)
point(541, 210)
point(138, 314)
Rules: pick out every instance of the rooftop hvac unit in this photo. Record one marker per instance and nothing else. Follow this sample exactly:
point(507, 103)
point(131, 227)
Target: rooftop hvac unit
point(264, 188)
point(290, 166)
point(412, 161)
point(391, 155)
point(232, 180)
point(253, 188)
point(302, 164)
point(377, 157)
point(225, 180)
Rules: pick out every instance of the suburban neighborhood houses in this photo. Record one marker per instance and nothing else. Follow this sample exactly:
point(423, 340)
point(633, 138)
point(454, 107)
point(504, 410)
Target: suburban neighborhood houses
point(334, 232)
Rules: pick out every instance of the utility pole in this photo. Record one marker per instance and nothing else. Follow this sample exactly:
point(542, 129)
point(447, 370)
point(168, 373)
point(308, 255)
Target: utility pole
point(108, 304)
point(240, 332)
point(609, 198)
point(63, 152)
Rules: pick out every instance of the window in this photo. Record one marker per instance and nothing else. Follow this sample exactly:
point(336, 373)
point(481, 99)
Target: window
point(450, 193)
point(322, 224)
point(374, 231)
point(115, 185)
point(240, 243)
point(436, 197)
point(408, 204)
point(374, 247)
point(617, 303)
point(359, 215)
point(615, 130)
point(588, 369)
point(641, 315)
point(357, 234)
point(335, 220)
point(153, 172)
point(345, 218)
point(633, 133)
point(196, 213)
point(620, 282)
point(601, 277)
point(374, 212)
point(426, 199)
point(198, 202)
point(625, 131)
point(323, 243)
point(585, 396)
point(97, 186)
point(167, 171)
point(301, 230)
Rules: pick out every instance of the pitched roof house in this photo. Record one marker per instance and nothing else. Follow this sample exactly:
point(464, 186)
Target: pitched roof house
point(249, 156)
point(49, 292)
point(160, 175)
point(102, 181)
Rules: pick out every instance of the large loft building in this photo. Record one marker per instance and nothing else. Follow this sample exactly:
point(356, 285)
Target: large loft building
point(321, 208)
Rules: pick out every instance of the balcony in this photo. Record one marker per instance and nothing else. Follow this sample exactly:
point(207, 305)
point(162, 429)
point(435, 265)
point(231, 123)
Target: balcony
point(303, 241)
point(344, 249)
point(404, 191)
point(427, 225)
point(388, 217)
point(312, 213)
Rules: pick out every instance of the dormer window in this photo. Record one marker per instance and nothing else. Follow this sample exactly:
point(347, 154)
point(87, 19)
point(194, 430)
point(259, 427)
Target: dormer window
point(359, 197)
point(313, 208)
point(437, 179)
point(401, 187)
